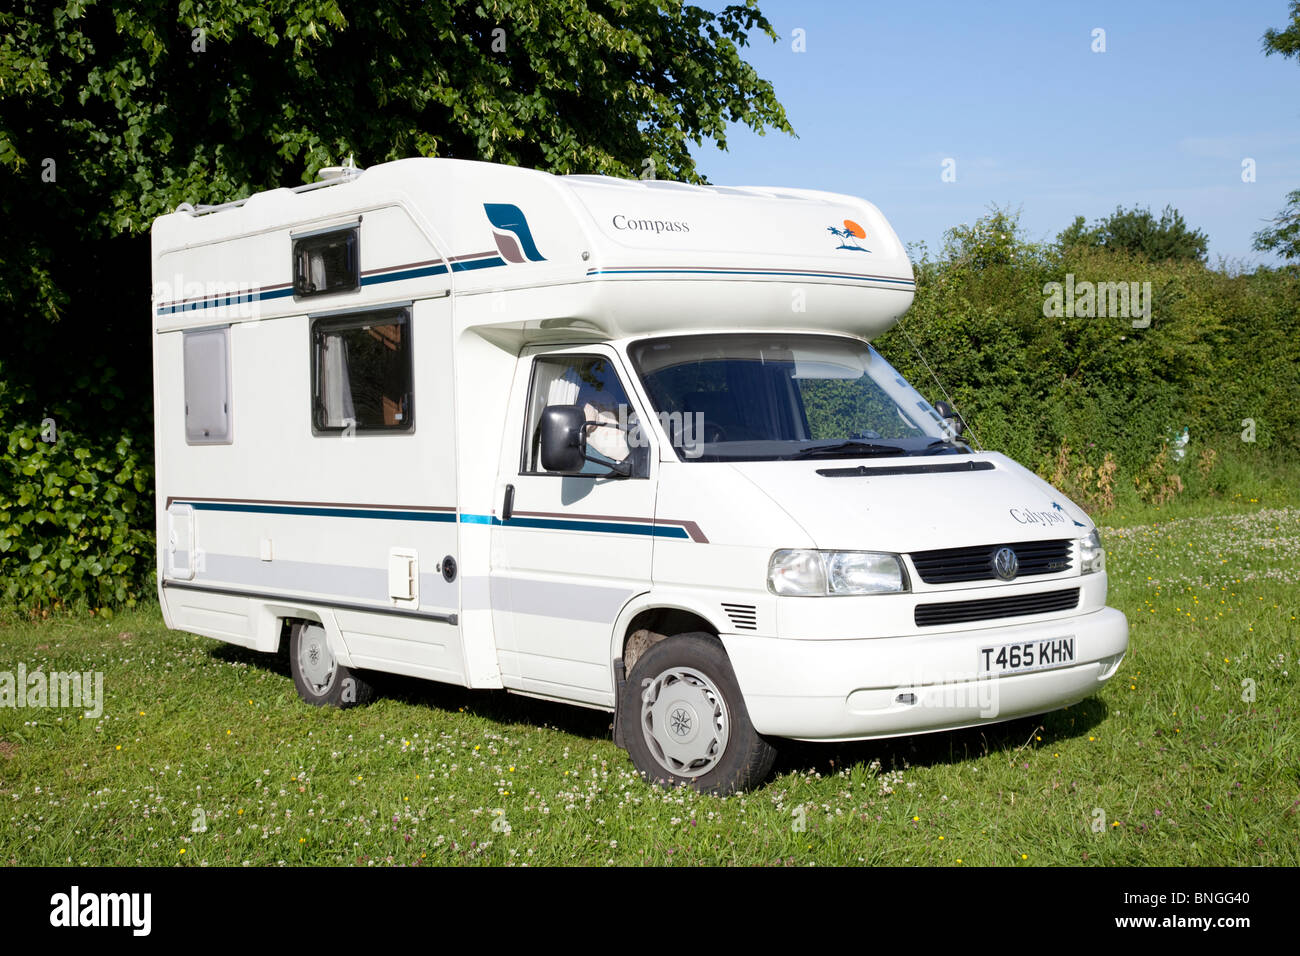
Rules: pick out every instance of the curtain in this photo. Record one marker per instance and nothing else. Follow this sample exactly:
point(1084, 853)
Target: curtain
point(564, 387)
point(316, 265)
point(335, 383)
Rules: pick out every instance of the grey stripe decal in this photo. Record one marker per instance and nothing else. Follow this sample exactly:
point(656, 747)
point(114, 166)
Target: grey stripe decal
point(345, 581)
point(302, 599)
point(574, 602)
point(476, 594)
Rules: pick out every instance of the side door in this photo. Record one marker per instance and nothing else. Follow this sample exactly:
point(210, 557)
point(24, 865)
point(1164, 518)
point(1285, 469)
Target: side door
point(572, 548)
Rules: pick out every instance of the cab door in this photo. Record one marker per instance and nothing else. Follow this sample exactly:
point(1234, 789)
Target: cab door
point(570, 550)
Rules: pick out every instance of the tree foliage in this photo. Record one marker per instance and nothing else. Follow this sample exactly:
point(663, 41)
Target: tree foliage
point(1287, 40)
point(140, 106)
point(1283, 236)
point(1139, 232)
point(113, 112)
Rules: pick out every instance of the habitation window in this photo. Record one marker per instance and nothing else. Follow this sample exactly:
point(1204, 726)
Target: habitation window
point(326, 262)
point(206, 361)
point(361, 373)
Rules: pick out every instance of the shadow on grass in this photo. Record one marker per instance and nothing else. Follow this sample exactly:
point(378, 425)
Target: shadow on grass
point(495, 705)
point(942, 747)
point(918, 750)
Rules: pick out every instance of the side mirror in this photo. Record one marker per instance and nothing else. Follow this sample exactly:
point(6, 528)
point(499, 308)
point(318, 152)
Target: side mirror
point(564, 438)
point(948, 413)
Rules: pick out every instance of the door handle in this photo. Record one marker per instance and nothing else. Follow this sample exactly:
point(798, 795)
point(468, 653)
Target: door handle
point(508, 505)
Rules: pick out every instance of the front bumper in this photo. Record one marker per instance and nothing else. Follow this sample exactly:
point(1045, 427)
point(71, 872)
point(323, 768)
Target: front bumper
point(886, 687)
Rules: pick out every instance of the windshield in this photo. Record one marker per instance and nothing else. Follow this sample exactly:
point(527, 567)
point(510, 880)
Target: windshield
point(764, 397)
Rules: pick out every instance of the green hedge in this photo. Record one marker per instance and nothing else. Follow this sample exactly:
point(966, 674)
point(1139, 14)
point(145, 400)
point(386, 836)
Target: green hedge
point(76, 507)
point(1068, 395)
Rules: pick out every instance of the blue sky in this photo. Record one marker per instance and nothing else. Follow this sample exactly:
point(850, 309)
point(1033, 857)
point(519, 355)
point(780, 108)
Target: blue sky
point(1032, 117)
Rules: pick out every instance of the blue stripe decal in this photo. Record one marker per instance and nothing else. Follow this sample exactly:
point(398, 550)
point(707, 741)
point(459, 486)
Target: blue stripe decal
point(322, 512)
point(751, 272)
point(577, 524)
point(405, 274)
point(493, 262)
point(241, 298)
point(599, 527)
point(671, 531)
point(466, 266)
point(550, 524)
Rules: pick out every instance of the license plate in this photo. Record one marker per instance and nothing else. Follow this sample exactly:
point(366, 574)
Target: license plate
point(1027, 656)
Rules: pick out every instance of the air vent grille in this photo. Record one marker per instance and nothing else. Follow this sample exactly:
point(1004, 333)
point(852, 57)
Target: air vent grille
point(1019, 605)
point(744, 617)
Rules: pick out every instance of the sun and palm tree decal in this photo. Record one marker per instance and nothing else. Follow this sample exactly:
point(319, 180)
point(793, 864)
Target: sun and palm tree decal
point(849, 235)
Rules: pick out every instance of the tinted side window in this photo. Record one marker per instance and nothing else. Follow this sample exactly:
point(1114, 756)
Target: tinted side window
point(361, 373)
point(327, 262)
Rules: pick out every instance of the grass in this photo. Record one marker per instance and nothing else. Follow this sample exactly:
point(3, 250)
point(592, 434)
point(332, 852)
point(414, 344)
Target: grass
point(204, 755)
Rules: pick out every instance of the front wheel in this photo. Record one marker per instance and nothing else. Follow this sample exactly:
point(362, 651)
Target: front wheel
point(317, 676)
point(685, 722)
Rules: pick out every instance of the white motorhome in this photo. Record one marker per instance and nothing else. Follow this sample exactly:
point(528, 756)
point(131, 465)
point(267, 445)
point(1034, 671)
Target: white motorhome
point(620, 444)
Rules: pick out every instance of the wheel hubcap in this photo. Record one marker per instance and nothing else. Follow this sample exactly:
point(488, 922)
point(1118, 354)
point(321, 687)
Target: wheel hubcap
point(315, 662)
point(685, 721)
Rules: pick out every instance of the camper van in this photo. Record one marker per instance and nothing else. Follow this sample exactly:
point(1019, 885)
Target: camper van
point(621, 444)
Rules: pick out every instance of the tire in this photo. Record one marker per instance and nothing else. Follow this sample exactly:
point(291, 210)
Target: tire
point(320, 679)
point(684, 719)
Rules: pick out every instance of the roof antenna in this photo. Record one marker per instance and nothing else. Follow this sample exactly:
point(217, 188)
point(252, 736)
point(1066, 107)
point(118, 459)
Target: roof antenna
point(349, 169)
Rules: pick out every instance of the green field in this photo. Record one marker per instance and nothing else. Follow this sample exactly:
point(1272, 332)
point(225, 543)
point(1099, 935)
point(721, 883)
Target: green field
point(205, 756)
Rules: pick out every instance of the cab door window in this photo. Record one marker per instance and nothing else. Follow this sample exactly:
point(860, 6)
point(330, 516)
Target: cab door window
point(591, 383)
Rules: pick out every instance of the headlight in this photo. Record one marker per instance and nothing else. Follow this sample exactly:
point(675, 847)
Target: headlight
point(822, 573)
point(1091, 556)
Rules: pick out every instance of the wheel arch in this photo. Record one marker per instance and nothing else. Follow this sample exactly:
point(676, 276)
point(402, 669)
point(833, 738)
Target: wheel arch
point(278, 618)
point(662, 616)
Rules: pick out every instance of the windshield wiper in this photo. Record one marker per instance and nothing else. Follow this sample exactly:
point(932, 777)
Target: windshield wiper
point(848, 448)
point(937, 442)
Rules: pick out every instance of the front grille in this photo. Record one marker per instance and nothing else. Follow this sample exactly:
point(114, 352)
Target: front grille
point(959, 612)
point(953, 565)
point(744, 617)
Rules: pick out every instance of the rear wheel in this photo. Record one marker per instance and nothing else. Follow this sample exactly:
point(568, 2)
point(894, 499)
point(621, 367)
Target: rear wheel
point(685, 722)
point(317, 676)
